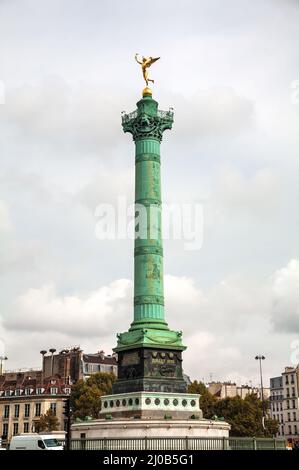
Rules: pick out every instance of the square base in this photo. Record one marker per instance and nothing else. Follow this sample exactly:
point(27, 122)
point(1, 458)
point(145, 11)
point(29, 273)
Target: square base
point(151, 405)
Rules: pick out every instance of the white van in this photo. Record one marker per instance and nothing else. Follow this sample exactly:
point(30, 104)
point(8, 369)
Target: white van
point(35, 441)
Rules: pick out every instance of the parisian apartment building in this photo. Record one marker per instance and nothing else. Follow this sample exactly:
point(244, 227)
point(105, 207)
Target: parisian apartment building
point(25, 395)
point(284, 402)
point(222, 390)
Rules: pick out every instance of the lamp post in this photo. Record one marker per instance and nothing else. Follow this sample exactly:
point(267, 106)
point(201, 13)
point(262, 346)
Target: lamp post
point(52, 351)
point(43, 352)
point(2, 358)
point(261, 358)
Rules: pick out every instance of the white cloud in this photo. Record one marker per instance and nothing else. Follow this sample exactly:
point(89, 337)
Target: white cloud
point(5, 220)
point(257, 195)
point(92, 315)
point(56, 114)
point(207, 318)
point(285, 304)
point(234, 141)
point(213, 112)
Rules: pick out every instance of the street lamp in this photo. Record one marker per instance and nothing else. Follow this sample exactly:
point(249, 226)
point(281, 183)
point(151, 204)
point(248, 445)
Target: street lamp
point(43, 352)
point(261, 358)
point(2, 358)
point(52, 351)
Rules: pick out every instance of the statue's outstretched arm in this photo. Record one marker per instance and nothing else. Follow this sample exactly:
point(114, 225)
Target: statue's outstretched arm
point(136, 58)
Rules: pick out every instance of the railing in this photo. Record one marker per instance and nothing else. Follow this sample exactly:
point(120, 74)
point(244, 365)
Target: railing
point(161, 114)
point(127, 117)
point(179, 443)
point(165, 114)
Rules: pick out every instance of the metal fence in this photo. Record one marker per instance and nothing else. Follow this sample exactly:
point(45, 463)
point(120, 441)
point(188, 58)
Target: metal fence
point(179, 443)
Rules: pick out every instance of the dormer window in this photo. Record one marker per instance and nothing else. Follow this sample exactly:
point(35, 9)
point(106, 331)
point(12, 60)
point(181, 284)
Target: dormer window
point(40, 391)
point(67, 391)
point(53, 390)
point(8, 393)
point(17, 392)
point(53, 382)
point(28, 391)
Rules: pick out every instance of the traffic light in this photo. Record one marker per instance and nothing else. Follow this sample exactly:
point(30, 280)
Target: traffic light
point(67, 408)
point(67, 411)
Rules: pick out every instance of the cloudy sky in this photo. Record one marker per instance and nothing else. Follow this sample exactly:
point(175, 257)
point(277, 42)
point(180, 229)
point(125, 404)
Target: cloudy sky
point(229, 70)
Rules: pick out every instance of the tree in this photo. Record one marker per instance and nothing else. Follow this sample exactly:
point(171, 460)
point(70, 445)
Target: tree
point(207, 401)
point(244, 415)
point(86, 395)
point(47, 422)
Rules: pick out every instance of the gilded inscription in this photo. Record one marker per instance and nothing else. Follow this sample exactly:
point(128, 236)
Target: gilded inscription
point(163, 361)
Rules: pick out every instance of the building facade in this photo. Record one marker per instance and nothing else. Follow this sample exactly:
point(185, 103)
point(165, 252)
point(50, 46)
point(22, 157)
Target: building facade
point(98, 362)
point(24, 397)
point(290, 381)
point(285, 402)
point(276, 402)
point(73, 364)
point(230, 389)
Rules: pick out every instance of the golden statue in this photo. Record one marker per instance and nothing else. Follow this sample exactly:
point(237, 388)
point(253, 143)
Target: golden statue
point(145, 63)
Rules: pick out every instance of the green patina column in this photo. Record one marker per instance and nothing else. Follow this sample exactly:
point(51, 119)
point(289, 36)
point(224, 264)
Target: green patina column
point(148, 254)
point(139, 349)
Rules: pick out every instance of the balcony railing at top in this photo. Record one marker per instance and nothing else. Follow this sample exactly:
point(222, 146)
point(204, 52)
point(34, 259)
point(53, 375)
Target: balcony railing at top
point(161, 114)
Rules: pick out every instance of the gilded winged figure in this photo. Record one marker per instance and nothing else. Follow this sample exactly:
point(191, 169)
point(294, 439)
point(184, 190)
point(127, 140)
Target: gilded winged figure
point(145, 63)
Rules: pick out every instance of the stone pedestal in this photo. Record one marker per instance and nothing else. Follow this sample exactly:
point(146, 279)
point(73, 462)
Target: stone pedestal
point(151, 405)
point(154, 428)
point(150, 369)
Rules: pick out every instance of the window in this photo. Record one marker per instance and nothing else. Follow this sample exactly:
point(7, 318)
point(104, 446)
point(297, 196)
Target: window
point(295, 429)
point(27, 410)
point(292, 379)
point(294, 403)
point(5, 431)
point(288, 393)
point(289, 416)
point(53, 408)
point(280, 406)
point(34, 426)
point(53, 390)
point(293, 391)
point(17, 411)
point(18, 392)
point(68, 391)
point(288, 405)
point(39, 391)
point(26, 427)
point(287, 380)
point(27, 391)
point(6, 411)
point(290, 429)
point(294, 415)
point(7, 393)
point(15, 428)
point(37, 409)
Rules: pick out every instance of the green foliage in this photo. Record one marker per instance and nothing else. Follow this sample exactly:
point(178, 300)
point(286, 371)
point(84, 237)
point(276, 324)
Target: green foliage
point(207, 400)
point(244, 415)
point(86, 394)
point(47, 422)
